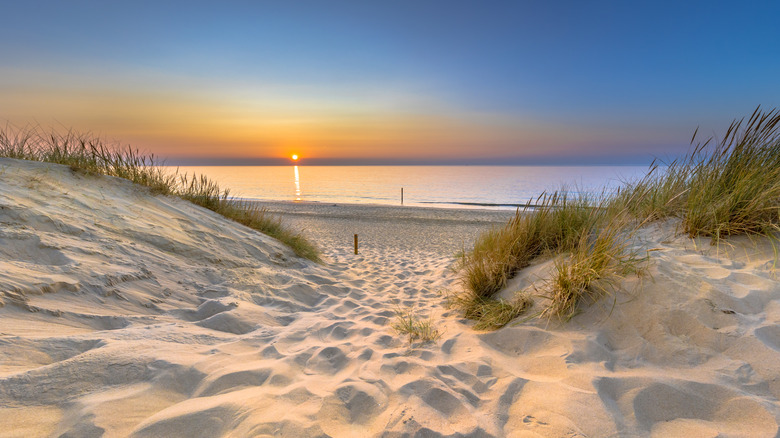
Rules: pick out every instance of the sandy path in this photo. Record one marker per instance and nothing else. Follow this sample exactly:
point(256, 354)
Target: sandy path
point(405, 254)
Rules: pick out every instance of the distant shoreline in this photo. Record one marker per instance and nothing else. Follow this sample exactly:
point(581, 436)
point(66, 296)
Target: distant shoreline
point(383, 211)
point(440, 230)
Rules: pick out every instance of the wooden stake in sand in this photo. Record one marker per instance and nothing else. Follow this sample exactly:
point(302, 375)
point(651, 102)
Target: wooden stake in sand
point(355, 243)
point(402, 196)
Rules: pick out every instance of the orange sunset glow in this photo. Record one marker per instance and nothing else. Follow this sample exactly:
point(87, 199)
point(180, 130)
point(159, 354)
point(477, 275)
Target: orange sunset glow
point(410, 90)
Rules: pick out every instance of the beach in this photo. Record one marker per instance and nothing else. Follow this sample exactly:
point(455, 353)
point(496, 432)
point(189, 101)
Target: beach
point(128, 314)
point(443, 231)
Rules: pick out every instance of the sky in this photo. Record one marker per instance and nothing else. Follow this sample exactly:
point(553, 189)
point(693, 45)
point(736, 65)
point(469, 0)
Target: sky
point(390, 82)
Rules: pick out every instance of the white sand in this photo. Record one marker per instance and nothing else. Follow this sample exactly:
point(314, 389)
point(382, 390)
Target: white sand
point(127, 314)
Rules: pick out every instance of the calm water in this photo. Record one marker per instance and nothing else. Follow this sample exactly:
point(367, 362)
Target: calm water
point(436, 186)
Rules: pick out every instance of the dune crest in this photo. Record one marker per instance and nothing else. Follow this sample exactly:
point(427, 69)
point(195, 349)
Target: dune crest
point(129, 314)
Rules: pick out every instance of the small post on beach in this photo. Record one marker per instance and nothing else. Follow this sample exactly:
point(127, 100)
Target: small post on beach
point(402, 196)
point(355, 243)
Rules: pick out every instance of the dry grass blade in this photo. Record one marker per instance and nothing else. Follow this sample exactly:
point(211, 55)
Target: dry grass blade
point(408, 324)
point(488, 313)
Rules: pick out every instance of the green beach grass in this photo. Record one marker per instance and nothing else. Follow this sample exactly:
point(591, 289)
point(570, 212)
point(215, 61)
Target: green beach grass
point(719, 189)
point(89, 154)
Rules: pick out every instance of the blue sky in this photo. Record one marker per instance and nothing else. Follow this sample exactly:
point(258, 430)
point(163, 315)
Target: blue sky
point(391, 82)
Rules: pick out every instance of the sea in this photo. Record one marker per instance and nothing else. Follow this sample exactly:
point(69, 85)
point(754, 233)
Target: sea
point(491, 187)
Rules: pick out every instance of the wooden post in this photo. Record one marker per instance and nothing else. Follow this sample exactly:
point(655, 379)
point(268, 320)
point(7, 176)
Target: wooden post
point(356, 244)
point(402, 196)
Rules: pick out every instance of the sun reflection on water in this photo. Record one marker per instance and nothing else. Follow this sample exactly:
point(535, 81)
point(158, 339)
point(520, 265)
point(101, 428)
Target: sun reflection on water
point(297, 184)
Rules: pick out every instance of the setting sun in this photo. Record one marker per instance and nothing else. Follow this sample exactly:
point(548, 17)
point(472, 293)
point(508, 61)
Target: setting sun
point(294, 157)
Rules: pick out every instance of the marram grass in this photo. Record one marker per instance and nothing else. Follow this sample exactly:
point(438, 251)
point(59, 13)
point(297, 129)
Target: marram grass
point(551, 225)
point(735, 189)
point(719, 189)
point(89, 154)
point(489, 313)
point(594, 266)
point(408, 324)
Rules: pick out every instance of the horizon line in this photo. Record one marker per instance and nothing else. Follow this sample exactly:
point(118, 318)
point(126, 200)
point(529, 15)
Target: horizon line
point(536, 161)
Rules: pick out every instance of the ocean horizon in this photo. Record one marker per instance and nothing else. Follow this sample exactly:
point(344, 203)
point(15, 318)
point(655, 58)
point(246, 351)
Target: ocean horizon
point(463, 186)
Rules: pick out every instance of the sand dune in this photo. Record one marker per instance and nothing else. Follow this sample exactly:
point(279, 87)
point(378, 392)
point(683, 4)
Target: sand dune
point(125, 314)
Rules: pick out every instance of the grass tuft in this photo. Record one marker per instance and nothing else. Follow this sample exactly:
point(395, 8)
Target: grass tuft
point(552, 223)
point(735, 189)
point(489, 313)
point(721, 188)
point(593, 267)
point(717, 190)
point(407, 324)
point(89, 155)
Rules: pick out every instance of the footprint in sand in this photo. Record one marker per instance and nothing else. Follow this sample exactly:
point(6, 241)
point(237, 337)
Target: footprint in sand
point(329, 360)
point(338, 330)
point(356, 403)
point(229, 323)
point(230, 381)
